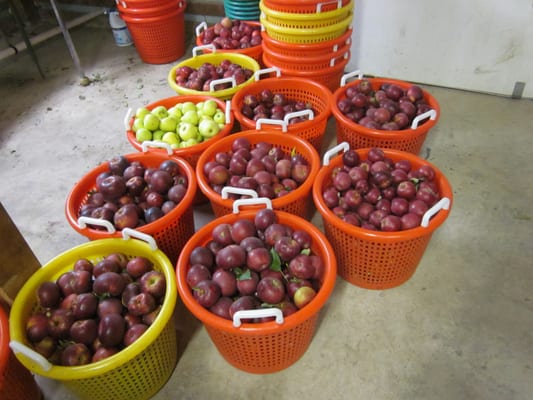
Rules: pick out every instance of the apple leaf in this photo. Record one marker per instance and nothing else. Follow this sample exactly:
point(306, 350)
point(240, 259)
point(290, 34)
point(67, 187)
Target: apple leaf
point(306, 251)
point(275, 265)
point(243, 275)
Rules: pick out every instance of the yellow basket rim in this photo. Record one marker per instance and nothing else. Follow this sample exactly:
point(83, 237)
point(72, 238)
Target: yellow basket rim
point(313, 32)
point(63, 262)
point(299, 17)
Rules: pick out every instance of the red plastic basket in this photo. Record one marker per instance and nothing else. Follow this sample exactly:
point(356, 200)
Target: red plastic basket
point(297, 202)
point(296, 50)
point(261, 347)
point(303, 6)
point(161, 8)
point(358, 136)
point(376, 259)
point(309, 63)
point(16, 382)
point(294, 88)
point(141, 3)
point(159, 39)
point(329, 77)
point(170, 232)
point(255, 52)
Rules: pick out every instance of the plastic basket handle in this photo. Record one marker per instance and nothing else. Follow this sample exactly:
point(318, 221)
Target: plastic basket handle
point(226, 190)
point(432, 114)
point(259, 313)
point(128, 233)
point(344, 146)
point(158, 144)
point(349, 75)
point(83, 221)
point(127, 118)
point(302, 113)
point(320, 5)
point(201, 26)
point(264, 71)
point(333, 61)
point(260, 121)
point(18, 347)
point(336, 46)
point(253, 201)
point(122, 3)
point(228, 111)
point(442, 204)
point(215, 82)
point(209, 46)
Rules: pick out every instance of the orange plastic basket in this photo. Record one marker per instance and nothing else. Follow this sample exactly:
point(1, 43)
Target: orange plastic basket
point(266, 347)
point(16, 382)
point(192, 153)
point(358, 136)
point(376, 259)
point(255, 51)
point(309, 63)
point(158, 39)
point(170, 232)
point(296, 50)
point(330, 77)
point(297, 202)
point(294, 88)
point(304, 6)
point(151, 11)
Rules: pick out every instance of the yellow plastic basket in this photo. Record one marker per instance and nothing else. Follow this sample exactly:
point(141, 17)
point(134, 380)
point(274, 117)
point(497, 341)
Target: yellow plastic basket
point(306, 35)
point(310, 21)
point(214, 58)
point(136, 372)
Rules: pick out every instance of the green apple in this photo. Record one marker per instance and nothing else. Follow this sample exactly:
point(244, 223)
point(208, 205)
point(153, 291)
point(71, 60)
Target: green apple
point(188, 106)
point(143, 134)
point(151, 122)
point(208, 128)
point(191, 117)
point(160, 111)
point(175, 111)
point(210, 107)
point(168, 124)
point(158, 135)
point(187, 131)
point(171, 138)
point(137, 123)
point(141, 112)
point(219, 117)
point(188, 143)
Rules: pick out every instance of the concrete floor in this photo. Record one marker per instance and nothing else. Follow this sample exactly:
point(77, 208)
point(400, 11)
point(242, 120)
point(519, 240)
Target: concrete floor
point(460, 328)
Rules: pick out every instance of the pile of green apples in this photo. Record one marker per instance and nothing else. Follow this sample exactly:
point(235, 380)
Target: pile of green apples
point(182, 125)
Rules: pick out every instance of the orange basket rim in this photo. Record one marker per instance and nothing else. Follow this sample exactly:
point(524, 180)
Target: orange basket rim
point(272, 137)
point(283, 82)
point(148, 11)
point(346, 36)
point(4, 342)
point(296, 5)
point(263, 328)
point(197, 148)
point(304, 74)
point(330, 218)
point(87, 182)
point(156, 19)
point(343, 52)
point(382, 134)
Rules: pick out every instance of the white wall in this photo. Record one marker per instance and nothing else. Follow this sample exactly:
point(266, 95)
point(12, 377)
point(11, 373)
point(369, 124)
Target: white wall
point(478, 45)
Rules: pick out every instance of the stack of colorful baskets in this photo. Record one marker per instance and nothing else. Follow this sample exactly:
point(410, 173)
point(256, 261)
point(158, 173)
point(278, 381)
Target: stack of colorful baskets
point(307, 38)
point(157, 30)
point(245, 10)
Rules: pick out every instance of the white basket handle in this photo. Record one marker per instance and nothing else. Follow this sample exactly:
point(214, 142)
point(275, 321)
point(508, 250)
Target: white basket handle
point(83, 221)
point(320, 5)
point(18, 347)
point(215, 82)
point(127, 118)
point(349, 75)
point(226, 190)
point(284, 125)
point(251, 202)
point(201, 26)
point(333, 61)
point(158, 144)
point(228, 111)
point(264, 71)
point(128, 233)
point(432, 114)
point(209, 46)
point(259, 313)
point(344, 146)
point(302, 113)
point(442, 204)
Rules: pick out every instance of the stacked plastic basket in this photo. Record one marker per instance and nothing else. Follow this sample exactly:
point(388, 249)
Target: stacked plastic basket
point(245, 10)
point(307, 38)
